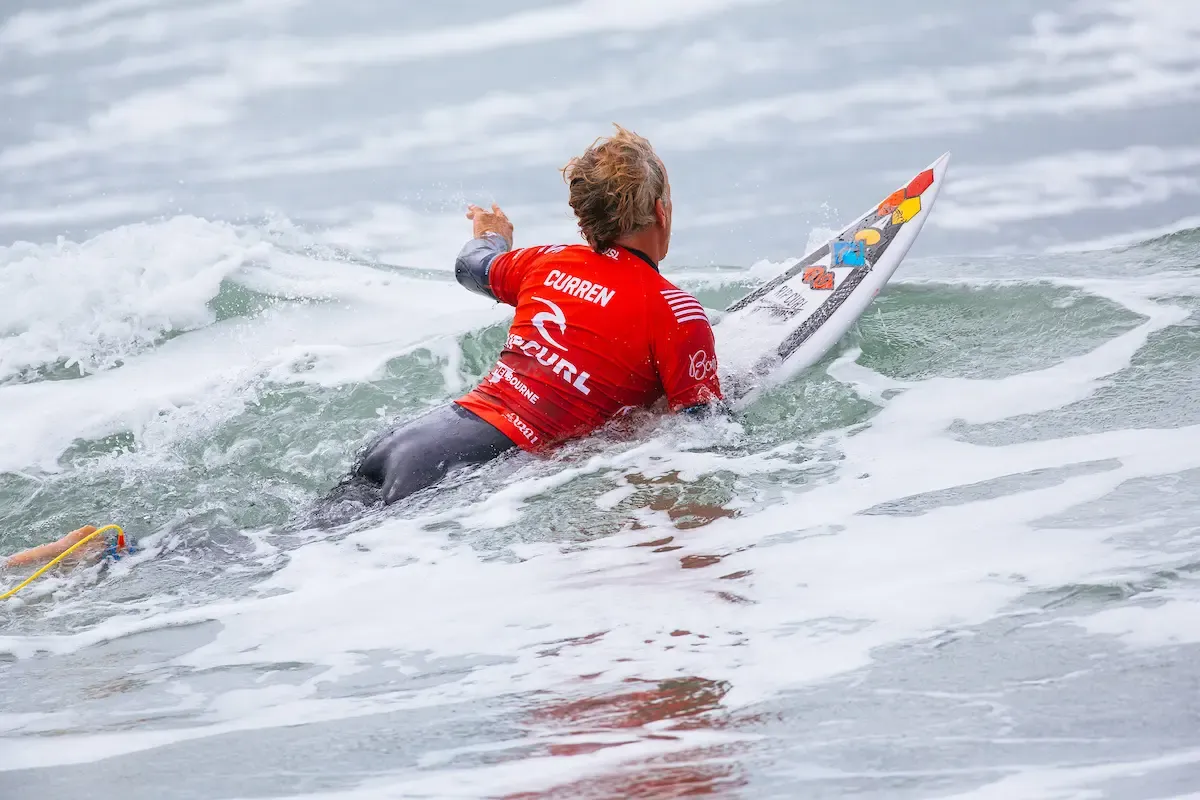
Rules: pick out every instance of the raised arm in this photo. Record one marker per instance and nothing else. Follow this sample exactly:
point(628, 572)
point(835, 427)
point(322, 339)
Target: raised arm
point(492, 237)
point(473, 266)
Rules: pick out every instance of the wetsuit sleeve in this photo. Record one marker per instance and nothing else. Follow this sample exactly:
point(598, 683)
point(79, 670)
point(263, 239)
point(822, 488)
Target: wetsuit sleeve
point(508, 271)
point(473, 266)
point(685, 352)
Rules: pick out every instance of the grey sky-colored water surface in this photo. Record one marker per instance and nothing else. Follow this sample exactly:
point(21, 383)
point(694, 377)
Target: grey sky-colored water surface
point(955, 559)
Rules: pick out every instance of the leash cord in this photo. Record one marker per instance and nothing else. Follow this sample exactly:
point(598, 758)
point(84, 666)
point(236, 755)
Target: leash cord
point(120, 538)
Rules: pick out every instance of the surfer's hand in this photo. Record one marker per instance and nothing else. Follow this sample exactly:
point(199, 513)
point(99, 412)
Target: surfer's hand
point(712, 408)
point(493, 221)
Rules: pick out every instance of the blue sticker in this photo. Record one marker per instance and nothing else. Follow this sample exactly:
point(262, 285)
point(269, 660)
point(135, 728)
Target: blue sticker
point(850, 254)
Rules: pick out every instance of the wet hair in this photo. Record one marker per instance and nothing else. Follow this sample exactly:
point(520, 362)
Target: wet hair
point(614, 186)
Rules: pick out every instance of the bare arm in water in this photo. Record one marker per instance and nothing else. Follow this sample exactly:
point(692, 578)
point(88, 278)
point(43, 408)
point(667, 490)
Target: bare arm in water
point(47, 552)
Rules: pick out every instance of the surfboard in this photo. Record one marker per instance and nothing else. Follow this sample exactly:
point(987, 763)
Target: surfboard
point(791, 321)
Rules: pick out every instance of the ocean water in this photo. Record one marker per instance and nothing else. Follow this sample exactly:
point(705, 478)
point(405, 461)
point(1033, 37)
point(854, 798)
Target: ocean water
point(958, 558)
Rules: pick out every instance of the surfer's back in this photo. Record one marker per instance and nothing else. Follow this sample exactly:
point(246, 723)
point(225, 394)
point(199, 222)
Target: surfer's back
point(594, 334)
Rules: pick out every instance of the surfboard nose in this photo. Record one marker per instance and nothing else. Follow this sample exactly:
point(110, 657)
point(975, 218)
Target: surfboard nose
point(939, 166)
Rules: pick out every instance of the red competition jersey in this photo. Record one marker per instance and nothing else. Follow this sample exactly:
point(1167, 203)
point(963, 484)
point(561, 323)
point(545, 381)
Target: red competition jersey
point(595, 335)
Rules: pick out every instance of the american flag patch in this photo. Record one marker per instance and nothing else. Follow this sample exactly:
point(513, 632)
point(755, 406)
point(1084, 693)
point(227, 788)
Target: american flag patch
point(685, 307)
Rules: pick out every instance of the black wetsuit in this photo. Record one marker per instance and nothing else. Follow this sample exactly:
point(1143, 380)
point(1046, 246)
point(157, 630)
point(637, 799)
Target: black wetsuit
point(419, 453)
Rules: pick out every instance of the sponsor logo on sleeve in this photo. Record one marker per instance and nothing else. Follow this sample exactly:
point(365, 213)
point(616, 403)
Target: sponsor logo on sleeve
point(685, 307)
point(701, 366)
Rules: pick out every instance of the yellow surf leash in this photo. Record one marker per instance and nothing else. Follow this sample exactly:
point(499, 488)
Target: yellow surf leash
point(118, 546)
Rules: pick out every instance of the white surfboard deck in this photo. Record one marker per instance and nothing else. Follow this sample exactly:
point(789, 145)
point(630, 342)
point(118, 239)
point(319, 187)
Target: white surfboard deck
point(792, 320)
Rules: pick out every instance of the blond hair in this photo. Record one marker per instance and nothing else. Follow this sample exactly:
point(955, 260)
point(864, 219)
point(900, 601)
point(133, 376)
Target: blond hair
point(614, 186)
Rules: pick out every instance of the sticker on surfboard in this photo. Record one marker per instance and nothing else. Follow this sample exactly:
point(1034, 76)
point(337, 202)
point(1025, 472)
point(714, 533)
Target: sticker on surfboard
point(793, 319)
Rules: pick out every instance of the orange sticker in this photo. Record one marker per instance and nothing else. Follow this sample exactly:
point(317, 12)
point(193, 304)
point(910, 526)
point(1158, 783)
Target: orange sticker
point(894, 199)
point(818, 278)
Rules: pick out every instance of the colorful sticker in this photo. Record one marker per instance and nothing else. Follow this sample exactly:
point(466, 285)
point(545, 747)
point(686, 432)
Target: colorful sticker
point(818, 278)
point(851, 254)
point(919, 184)
point(894, 199)
point(906, 210)
point(868, 236)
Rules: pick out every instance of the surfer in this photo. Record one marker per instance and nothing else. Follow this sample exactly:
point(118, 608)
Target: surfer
point(598, 331)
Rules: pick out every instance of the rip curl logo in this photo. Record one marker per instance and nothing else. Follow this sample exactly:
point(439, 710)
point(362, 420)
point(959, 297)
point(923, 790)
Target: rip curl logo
point(556, 316)
point(700, 366)
point(563, 368)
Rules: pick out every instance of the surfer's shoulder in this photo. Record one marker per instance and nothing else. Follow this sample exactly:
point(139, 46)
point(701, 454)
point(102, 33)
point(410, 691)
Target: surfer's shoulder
point(677, 304)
